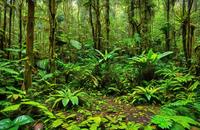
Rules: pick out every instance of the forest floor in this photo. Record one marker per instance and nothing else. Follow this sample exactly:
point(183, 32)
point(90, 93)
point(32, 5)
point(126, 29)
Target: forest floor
point(110, 108)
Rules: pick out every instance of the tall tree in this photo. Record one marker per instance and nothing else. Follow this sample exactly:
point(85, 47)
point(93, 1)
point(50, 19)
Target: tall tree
point(94, 6)
point(107, 20)
point(190, 32)
point(184, 25)
point(29, 45)
point(10, 27)
point(98, 26)
point(146, 12)
point(131, 17)
point(20, 28)
point(91, 22)
point(52, 21)
point(3, 40)
point(187, 31)
point(167, 33)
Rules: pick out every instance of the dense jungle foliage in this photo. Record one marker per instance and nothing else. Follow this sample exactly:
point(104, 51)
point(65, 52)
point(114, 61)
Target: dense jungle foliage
point(99, 64)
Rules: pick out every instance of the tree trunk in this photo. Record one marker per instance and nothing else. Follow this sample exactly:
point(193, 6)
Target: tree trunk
point(20, 29)
point(10, 29)
point(98, 26)
point(29, 46)
point(3, 40)
point(167, 38)
point(189, 33)
point(131, 18)
point(145, 25)
point(91, 23)
point(52, 21)
point(107, 20)
point(184, 25)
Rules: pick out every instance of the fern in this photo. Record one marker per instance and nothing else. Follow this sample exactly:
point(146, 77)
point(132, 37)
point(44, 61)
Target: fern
point(177, 115)
point(162, 121)
point(30, 103)
point(166, 122)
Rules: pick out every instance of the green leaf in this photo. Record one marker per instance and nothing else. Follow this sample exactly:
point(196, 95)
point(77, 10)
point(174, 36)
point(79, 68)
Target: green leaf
point(177, 126)
point(5, 124)
point(74, 127)
point(56, 102)
point(75, 44)
point(65, 101)
point(8, 70)
point(57, 123)
point(162, 121)
point(16, 127)
point(148, 127)
point(74, 100)
point(164, 54)
point(194, 86)
point(11, 108)
point(41, 106)
point(70, 116)
point(43, 64)
point(184, 121)
point(22, 120)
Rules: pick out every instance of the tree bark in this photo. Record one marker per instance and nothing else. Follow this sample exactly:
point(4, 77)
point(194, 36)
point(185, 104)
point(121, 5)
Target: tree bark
point(29, 46)
point(3, 40)
point(20, 29)
point(98, 26)
point(91, 22)
point(52, 21)
point(107, 20)
point(189, 33)
point(131, 18)
point(146, 17)
point(167, 38)
point(10, 29)
point(184, 25)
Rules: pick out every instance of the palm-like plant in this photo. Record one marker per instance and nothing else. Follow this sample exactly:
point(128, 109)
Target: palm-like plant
point(146, 63)
point(67, 97)
point(146, 94)
point(149, 58)
point(107, 55)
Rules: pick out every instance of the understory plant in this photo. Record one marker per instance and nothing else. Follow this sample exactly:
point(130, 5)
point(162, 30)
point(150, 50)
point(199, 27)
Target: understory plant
point(146, 63)
point(8, 124)
point(67, 98)
point(178, 115)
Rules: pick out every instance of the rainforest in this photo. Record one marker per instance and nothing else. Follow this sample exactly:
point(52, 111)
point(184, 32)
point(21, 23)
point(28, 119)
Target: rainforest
point(99, 64)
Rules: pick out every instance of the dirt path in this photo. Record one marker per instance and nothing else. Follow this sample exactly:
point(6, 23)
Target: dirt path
point(108, 107)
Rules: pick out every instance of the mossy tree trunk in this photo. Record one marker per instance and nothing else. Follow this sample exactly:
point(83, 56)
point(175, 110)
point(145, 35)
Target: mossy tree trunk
point(167, 33)
point(3, 40)
point(107, 20)
point(20, 28)
point(91, 22)
point(52, 22)
point(10, 28)
point(29, 46)
point(187, 31)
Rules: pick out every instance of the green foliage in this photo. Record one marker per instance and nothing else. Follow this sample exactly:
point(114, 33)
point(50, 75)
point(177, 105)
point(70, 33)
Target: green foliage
point(149, 58)
point(27, 102)
point(166, 122)
point(170, 118)
point(7, 124)
point(107, 56)
point(148, 93)
point(67, 97)
point(14, 94)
